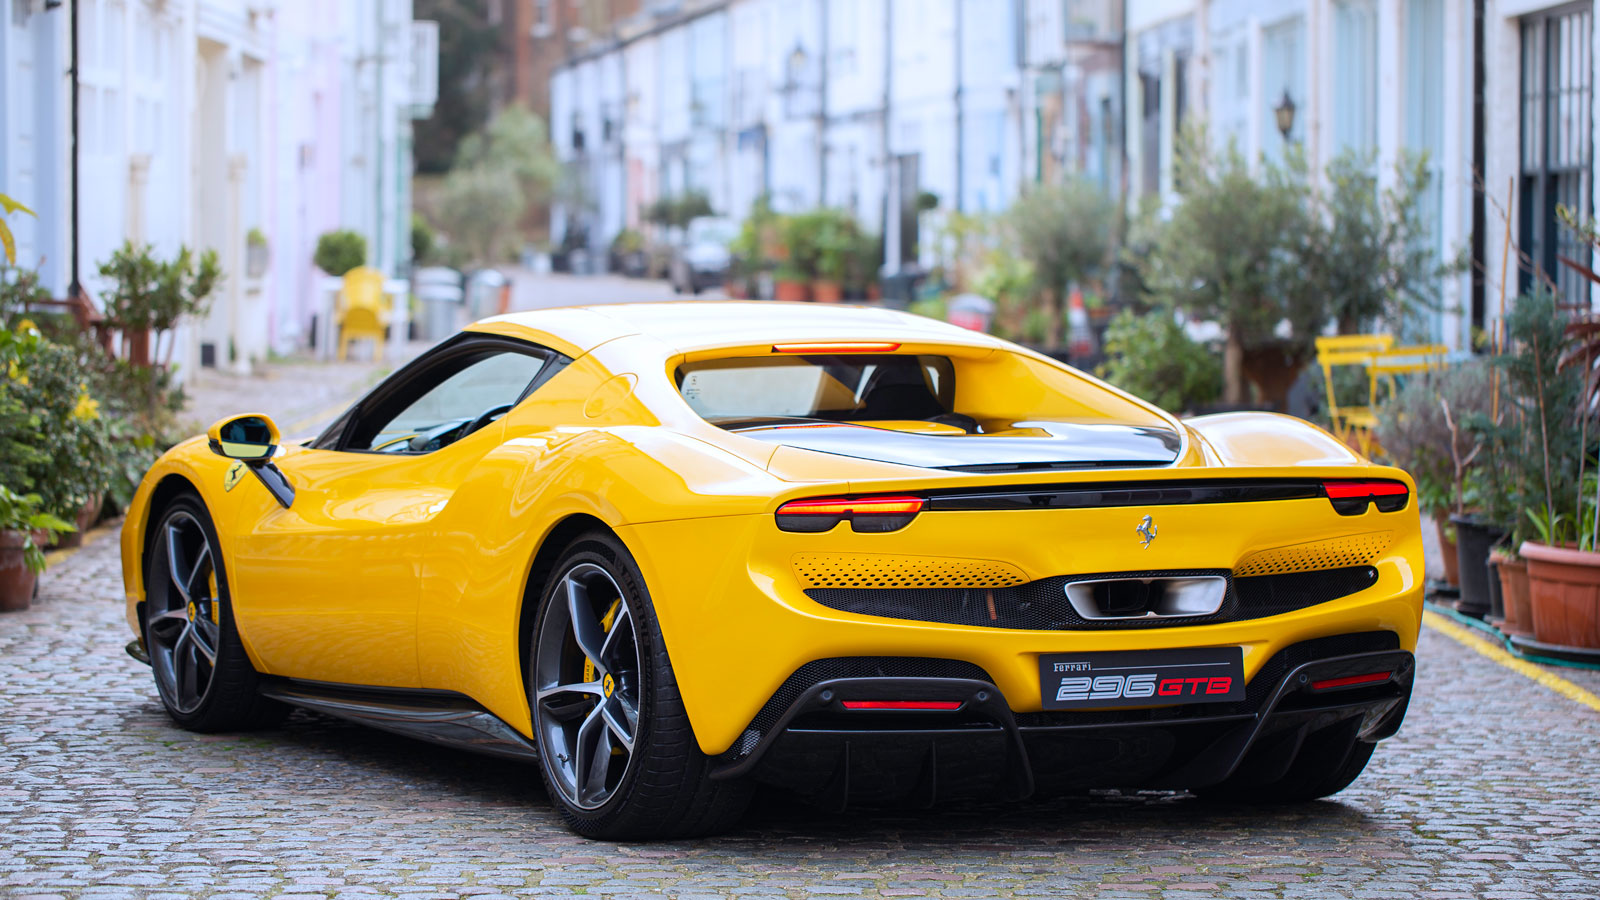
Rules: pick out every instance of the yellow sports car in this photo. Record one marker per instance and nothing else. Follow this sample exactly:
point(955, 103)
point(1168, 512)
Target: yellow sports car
point(673, 550)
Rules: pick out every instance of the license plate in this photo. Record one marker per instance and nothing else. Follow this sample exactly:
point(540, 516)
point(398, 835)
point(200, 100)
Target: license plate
point(1141, 677)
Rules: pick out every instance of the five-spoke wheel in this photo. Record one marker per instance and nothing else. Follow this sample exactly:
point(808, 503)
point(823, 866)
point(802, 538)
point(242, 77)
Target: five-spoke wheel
point(616, 748)
point(586, 689)
point(183, 621)
point(202, 672)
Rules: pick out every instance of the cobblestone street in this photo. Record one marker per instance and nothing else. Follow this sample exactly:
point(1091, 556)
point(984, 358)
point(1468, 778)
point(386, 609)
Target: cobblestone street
point(1489, 791)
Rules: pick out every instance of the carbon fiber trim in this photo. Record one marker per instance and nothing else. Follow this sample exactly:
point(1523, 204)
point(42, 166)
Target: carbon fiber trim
point(1042, 605)
point(821, 670)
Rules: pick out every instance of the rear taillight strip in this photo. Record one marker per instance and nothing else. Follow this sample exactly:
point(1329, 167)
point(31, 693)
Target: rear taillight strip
point(1351, 498)
point(866, 514)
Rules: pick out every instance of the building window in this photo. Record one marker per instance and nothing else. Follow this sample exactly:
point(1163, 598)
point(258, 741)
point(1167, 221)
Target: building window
point(1355, 79)
point(1557, 150)
point(1283, 72)
point(542, 26)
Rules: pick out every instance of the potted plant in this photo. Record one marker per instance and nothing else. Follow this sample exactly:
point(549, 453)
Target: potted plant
point(797, 259)
point(57, 445)
point(790, 282)
point(340, 251)
point(257, 253)
point(148, 295)
point(22, 523)
point(833, 237)
point(1559, 499)
point(628, 254)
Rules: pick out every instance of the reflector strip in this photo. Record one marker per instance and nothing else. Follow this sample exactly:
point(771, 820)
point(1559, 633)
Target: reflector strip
point(861, 506)
point(946, 705)
point(1349, 680)
point(1340, 490)
point(838, 347)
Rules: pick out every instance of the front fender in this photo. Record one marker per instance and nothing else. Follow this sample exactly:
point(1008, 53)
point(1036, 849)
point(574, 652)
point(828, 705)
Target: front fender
point(203, 471)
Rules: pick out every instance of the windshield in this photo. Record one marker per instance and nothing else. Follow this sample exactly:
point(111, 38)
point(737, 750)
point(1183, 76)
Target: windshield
point(854, 387)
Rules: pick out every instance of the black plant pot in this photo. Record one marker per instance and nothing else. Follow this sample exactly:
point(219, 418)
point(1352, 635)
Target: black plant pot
point(1497, 605)
point(1474, 538)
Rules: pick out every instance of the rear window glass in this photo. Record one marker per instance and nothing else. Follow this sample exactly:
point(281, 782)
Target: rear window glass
point(853, 387)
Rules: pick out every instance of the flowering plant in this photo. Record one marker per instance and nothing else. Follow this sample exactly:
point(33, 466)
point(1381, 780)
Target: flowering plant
point(53, 441)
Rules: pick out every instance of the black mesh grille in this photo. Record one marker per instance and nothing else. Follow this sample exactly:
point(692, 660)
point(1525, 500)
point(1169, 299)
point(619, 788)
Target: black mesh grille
point(1042, 605)
point(821, 670)
point(1255, 693)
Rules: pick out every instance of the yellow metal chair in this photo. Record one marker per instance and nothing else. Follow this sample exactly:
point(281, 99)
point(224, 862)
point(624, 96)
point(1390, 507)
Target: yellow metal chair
point(1384, 362)
point(363, 311)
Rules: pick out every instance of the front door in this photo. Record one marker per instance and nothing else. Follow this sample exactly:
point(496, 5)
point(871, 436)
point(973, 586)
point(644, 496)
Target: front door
point(327, 589)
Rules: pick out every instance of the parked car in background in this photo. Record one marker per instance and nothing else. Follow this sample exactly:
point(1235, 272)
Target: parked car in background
point(701, 261)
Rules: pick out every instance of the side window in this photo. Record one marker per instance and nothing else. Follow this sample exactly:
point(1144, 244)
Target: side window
point(445, 403)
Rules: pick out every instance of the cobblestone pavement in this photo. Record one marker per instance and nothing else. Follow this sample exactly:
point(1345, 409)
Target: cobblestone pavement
point(1490, 790)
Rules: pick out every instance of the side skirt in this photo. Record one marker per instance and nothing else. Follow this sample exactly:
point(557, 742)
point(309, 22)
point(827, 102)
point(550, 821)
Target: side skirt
point(440, 717)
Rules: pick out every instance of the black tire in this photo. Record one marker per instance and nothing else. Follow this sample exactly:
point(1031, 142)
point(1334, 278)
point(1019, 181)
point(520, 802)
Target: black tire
point(1326, 762)
point(663, 790)
point(229, 699)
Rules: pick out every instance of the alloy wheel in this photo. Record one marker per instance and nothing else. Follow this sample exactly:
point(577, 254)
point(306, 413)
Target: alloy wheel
point(183, 616)
point(586, 686)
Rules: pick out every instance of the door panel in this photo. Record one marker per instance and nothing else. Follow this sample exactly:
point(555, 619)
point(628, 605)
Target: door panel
point(328, 588)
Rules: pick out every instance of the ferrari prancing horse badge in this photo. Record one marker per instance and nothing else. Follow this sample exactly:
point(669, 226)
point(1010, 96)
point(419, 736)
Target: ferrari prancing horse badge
point(235, 472)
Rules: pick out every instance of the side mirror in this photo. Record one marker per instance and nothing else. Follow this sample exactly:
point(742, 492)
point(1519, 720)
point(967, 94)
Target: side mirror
point(252, 436)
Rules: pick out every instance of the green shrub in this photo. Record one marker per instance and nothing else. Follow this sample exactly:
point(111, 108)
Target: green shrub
point(422, 239)
point(1152, 357)
point(53, 440)
point(340, 251)
point(21, 512)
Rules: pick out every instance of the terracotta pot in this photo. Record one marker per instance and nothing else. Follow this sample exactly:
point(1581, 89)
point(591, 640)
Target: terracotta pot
point(1474, 537)
point(791, 291)
point(1447, 549)
point(1514, 591)
point(16, 579)
point(874, 291)
point(827, 291)
point(86, 518)
point(1564, 594)
point(735, 290)
point(139, 347)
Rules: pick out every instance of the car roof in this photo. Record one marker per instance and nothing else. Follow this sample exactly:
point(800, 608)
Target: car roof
point(694, 325)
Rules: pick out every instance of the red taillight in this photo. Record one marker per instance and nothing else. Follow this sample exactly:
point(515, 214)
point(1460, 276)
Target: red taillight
point(942, 705)
point(838, 347)
point(1350, 498)
point(870, 514)
point(1349, 681)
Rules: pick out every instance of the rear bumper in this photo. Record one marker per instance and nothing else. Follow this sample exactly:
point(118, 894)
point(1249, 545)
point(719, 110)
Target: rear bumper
point(818, 747)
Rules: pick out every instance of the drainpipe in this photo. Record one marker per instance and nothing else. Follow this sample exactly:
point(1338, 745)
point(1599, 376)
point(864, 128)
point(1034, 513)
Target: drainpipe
point(822, 112)
point(891, 215)
point(377, 156)
point(1479, 164)
point(75, 287)
point(961, 132)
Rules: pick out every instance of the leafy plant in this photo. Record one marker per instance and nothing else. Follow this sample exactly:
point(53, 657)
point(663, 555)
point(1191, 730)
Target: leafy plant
point(1008, 280)
point(676, 211)
point(8, 241)
point(479, 207)
point(255, 237)
point(55, 441)
point(422, 239)
point(20, 289)
point(1154, 358)
point(1229, 252)
point(1368, 247)
point(147, 292)
point(1426, 429)
point(628, 240)
point(340, 251)
point(21, 513)
point(1064, 231)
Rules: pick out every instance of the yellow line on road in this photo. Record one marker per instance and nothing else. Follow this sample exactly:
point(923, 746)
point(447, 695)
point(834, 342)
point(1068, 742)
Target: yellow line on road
point(53, 558)
point(1466, 638)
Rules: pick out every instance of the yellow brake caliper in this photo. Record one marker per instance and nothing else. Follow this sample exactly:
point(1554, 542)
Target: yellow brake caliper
point(216, 612)
point(606, 622)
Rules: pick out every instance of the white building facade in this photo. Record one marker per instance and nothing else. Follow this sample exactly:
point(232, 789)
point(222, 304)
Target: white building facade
point(1386, 77)
point(857, 104)
point(201, 122)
